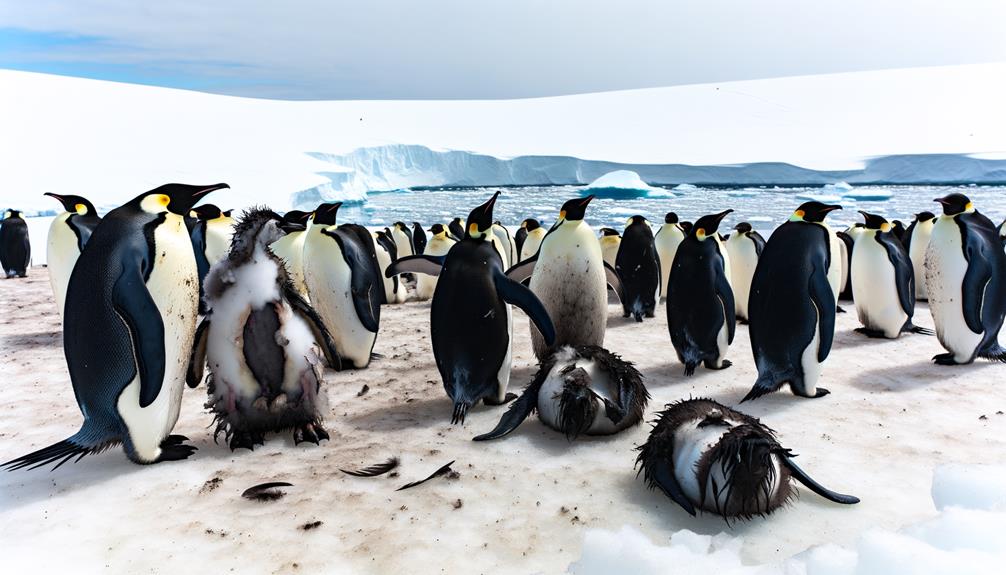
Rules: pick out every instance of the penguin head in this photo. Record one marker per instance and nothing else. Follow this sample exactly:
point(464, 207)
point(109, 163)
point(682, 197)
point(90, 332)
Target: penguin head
point(175, 198)
point(813, 212)
point(438, 230)
point(875, 222)
point(480, 220)
point(924, 216)
point(686, 226)
point(416, 226)
point(76, 204)
point(956, 204)
point(401, 226)
point(12, 213)
point(706, 226)
point(670, 218)
point(206, 212)
point(605, 232)
point(573, 210)
point(577, 404)
point(324, 214)
point(294, 221)
point(257, 227)
point(743, 227)
point(530, 224)
point(635, 220)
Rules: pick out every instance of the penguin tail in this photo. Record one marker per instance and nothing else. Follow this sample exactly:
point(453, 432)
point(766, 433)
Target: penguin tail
point(690, 367)
point(994, 352)
point(912, 328)
point(60, 452)
point(765, 384)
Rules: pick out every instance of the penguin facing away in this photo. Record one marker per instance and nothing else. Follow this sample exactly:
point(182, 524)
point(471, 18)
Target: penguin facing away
point(387, 253)
point(439, 245)
point(917, 240)
point(845, 252)
point(68, 234)
point(792, 306)
point(638, 269)
point(127, 359)
point(610, 240)
point(470, 322)
point(966, 283)
point(668, 237)
point(15, 245)
point(418, 238)
point(744, 248)
point(457, 228)
point(533, 235)
point(506, 243)
point(707, 457)
point(290, 247)
point(584, 390)
point(219, 227)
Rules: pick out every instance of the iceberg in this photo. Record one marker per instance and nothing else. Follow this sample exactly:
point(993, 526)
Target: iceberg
point(622, 184)
point(868, 194)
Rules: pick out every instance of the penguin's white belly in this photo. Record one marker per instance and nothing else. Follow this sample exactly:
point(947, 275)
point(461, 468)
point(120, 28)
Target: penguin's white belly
point(875, 290)
point(391, 294)
point(743, 261)
point(609, 250)
point(843, 279)
point(503, 375)
point(551, 391)
point(945, 269)
point(426, 285)
point(917, 252)
point(722, 340)
point(835, 266)
point(173, 285)
point(218, 239)
point(61, 255)
point(291, 249)
point(531, 243)
point(667, 242)
point(808, 360)
point(690, 444)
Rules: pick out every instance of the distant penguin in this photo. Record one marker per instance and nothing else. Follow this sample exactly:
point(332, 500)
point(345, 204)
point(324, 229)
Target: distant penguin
point(898, 230)
point(262, 341)
point(418, 238)
point(403, 239)
point(792, 306)
point(686, 226)
point(966, 283)
point(440, 244)
point(386, 251)
point(15, 245)
point(610, 239)
point(744, 248)
point(290, 247)
point(130, 320)
point(535, 234)
point(707, 457)
point(219, 227)
point(457, 228)
point(585, 390)
point(917, 240)
point(883, 288)
point(568, 275)
point(68, 234)
point(638, 269)
point(506, 243)
point(344, 290)
point(845, 251)
point(518, 239)
point(700, 304)
point(668, 237)
point(470, 322)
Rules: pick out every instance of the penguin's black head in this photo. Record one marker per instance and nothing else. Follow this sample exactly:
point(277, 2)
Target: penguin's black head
point(480, 220)
point(813, 212)
point(530, 224)
point(574, 209)
point(207, 212)
point(670, 218)
point(686, 226)
point(294, 221)
point(457, 221)
point(417, 226)
point(76, 204)
point(635, 220)
point(956, 204)
point(437, 229)
point(324, 215)
point(12, 213)
point(707, 226)
point(577, 404)
point(258, 226)
point(743, 227)
point(875, 222)
point(924, 216)
point(609, 232)
point(401, 226)
point(174, 198)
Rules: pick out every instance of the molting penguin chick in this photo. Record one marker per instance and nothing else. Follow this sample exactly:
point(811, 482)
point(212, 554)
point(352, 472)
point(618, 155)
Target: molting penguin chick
point(68, 234)
point(744, 248)
point(638, 269)
point(667, 240)
point(609, 240)
point(527, 246)
point(262, 341)
point(584, 390)
point(708, 457)
point(15, 245)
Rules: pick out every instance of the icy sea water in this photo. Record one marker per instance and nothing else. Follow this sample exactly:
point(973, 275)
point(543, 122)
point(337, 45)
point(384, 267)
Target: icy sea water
point(764, 208)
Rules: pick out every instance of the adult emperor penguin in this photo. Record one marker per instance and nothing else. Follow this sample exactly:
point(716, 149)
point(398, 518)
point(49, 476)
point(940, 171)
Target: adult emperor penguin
point(506, 244)
point(568, 275)
point(344, 287)
point(386, 252)
point(219, 226)
point(883, 286)
point(744, 247)
point(845, 251)
point(470, 322)
point(638, 269)
point(15, 245)
point(418, 238)
point(439, 245)
point(262, 341)
point(532, 241)
point(966, 283)
point(668, 237)
point(707, 457)
point(68, 234)
point(290, 247)
point(792, 305)
point(917, 240)
point(403, 239)
point(584, 390)
point(610, 240)
point(130, 320)
point(700, 304)
point(457, 228)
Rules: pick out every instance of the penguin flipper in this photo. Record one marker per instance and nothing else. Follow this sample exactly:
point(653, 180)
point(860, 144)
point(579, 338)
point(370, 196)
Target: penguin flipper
point(976, 279)
point(429, 265)
point(363, 283)
point(523, 270)
point(904, 275)
point(318, 329)
point(726, 295)
point(824, 300)
point(613, 279)
point(660, 475)
point(197, 359)
point(138, 311)
point(801, 476)
point(516, 294)
point(759, 242)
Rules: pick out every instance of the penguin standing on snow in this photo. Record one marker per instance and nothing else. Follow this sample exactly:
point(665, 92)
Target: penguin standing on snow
point(262, 341)
point(585, 390)
point(884, 289)
point(708, 457)
point(218, 228)
point(403, 239)
point(744, 248)
point(387, 253)
point(470, 322)
point(290, 247)
point(440, 244)
point(506, 244)
point(418, 238)
point(68, 234)
point(792, 306)
point(700, 306)
point(916, 241)
point(15, 247)
point(457, 228)
point(533, 236)
point(668, 237)
point(130, 319)
point(966, 283)
point(637, 268)
point(845, 252)
point(610, 240)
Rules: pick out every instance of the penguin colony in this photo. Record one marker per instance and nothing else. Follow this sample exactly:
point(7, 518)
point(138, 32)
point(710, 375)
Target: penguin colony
point(282, 296)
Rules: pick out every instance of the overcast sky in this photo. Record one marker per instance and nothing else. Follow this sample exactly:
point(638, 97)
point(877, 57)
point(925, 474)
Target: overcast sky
point(394, 49)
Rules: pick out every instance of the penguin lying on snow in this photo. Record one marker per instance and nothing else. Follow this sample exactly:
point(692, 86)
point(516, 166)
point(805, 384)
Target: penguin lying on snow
point(15, 247)
point(68, 234)
point(262, 342)
point(638, 269)
point(706, 456)
point(586, 390)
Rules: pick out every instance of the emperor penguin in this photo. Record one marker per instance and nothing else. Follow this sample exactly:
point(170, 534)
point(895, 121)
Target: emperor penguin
point(131, 309)
point(917, 240)
point(638, 269)
point(219, 226)
point(744, 248)
point(792, 304)
point(457, 228)
point(568, 275)
point(707, 457)
point(403, 239)
point(262, 341)
point(439, 245)
point(386, 251)
point(506, 244)
point(290, 247)
point(584, 390)
point(845, 252)
point(966, 283)
point(883, 288)
point(15, 245)
point(532, 241)
point(609, 239)
point(418, 238)
point(668, 237)
point(701, 314)
point(68, 234)
point(344, 290)
point(470, 321)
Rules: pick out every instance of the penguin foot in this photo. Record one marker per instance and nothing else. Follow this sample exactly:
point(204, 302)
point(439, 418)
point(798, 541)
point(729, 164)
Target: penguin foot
point(246, 440)
point(638, 317)
point(743, 321)
point(723, 365)
point(509, 397)
point(821, 392)
point(174, 440)
point(310, 432)
point(839, 309)
point(172, 451)
point(871, 333)
point(945, 359)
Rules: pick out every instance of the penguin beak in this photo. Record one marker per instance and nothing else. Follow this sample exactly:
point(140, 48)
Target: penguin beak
point(827, 209)
point(208, 189)
point(723, 214)
point(587, 200)
point(942, 201)
point(183, 199)
point(52, 195)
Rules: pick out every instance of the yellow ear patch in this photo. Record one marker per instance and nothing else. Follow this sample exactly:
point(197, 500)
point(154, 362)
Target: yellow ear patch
point(473, 229)
point(562, 214)
point(81, 209)
point(700, 233)
point(799, 213)
point(163, 200)
point(885, 227)
point(969, 206)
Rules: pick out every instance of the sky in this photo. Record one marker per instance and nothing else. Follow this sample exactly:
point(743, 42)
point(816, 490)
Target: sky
point(484, 49)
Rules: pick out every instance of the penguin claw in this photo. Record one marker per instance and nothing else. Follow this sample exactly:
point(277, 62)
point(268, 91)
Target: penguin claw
point(723, 365)
point(244, 440)
point(174, 440)
point(176, 452)
point(944, 359)
point(821, 392)
point(310, 433)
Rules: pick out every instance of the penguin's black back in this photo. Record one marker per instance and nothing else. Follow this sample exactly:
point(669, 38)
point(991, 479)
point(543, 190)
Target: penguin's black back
point(418, 239)
point(83, 226)
point(15, 247)
point(637, 267)
point(695, 313)
point(980, 241)
point(519, 237)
